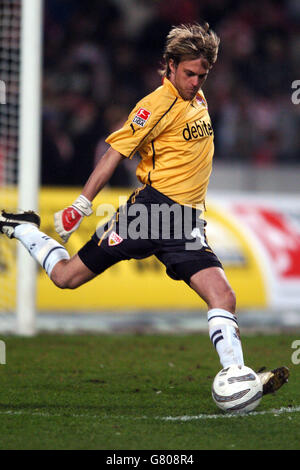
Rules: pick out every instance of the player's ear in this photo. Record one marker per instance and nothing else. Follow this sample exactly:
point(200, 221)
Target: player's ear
point(172, 66)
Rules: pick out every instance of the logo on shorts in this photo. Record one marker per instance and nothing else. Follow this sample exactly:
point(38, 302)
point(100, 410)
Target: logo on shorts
point(142, 117)
point(114, 239)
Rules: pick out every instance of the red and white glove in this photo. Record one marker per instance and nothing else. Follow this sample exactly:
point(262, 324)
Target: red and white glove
point(69, 219)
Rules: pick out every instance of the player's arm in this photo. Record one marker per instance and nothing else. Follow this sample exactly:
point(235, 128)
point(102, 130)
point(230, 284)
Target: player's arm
point(102, 173)
point(69, 219)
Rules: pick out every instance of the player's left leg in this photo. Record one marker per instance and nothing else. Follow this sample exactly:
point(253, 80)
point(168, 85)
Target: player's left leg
point(213, 287)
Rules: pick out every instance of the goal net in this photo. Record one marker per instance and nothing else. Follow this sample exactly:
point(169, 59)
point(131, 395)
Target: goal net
point(10, 33)
point(20, 85)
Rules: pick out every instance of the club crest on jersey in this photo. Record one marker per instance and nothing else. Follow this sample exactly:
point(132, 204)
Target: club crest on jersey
point(141, 117)
point(201, 101)
point(114, 239)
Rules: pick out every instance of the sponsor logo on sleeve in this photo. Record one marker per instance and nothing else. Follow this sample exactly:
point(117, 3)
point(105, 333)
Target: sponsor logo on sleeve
point(141, 117)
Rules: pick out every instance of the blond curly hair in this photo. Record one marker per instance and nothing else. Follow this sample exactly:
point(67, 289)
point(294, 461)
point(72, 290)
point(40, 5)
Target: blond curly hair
point(189, 42)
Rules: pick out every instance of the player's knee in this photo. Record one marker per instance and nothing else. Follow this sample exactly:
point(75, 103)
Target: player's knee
point(225, 299)
point(62, 281)
point(230, 300)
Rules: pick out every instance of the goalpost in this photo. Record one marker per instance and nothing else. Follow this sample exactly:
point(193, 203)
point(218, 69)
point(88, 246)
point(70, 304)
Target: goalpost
point(29, 153)
point(20, 124)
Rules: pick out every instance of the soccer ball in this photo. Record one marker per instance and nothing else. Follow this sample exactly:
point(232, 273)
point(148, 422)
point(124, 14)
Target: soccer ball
point(237, 389)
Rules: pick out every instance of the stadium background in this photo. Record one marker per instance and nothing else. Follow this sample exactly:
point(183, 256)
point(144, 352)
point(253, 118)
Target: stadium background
point(99, 59)
point(153, 391)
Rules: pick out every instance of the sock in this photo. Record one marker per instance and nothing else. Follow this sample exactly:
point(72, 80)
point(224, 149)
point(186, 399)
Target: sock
point(46, 251)
point(225, 336)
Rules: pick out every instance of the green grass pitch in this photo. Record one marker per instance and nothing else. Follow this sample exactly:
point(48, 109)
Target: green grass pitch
point(116, 392)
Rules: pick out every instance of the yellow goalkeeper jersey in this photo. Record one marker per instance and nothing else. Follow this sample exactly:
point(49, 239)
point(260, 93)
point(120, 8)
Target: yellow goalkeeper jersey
point(175, 140)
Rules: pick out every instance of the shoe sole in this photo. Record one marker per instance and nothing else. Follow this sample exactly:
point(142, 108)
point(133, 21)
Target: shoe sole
point(10, 220)
point(278, 378)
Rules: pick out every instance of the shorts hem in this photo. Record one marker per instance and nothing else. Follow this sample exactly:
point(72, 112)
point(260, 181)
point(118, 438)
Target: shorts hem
point(184, 272)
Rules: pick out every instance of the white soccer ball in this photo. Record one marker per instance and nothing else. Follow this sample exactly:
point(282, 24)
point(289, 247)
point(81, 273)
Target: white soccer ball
point(237, 389)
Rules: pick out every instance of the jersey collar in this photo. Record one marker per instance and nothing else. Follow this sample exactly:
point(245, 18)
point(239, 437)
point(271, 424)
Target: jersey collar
point(171, 87)
point(199, 99)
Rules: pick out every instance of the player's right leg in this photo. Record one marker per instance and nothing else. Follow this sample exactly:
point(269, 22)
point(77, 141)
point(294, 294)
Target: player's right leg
point(65, 273)
point(71, 274)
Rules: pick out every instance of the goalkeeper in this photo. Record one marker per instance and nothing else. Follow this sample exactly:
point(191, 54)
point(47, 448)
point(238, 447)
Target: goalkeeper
point(172, 131)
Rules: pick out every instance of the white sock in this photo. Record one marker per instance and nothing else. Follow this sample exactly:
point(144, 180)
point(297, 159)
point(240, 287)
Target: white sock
point(225, 336)
point(46, 251)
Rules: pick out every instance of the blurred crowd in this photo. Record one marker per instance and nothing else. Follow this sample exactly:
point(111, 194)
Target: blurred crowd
point(101, 57)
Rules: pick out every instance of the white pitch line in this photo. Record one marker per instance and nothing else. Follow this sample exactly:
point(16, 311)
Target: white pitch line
point(275, 412)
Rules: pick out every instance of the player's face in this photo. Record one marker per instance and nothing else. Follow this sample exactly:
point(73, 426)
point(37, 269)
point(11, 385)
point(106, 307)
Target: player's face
point(189, 76)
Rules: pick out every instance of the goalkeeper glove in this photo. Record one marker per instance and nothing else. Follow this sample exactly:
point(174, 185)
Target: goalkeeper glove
point(69, 219)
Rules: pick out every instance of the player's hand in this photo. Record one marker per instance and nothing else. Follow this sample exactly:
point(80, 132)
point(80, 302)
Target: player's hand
point(69, 219)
